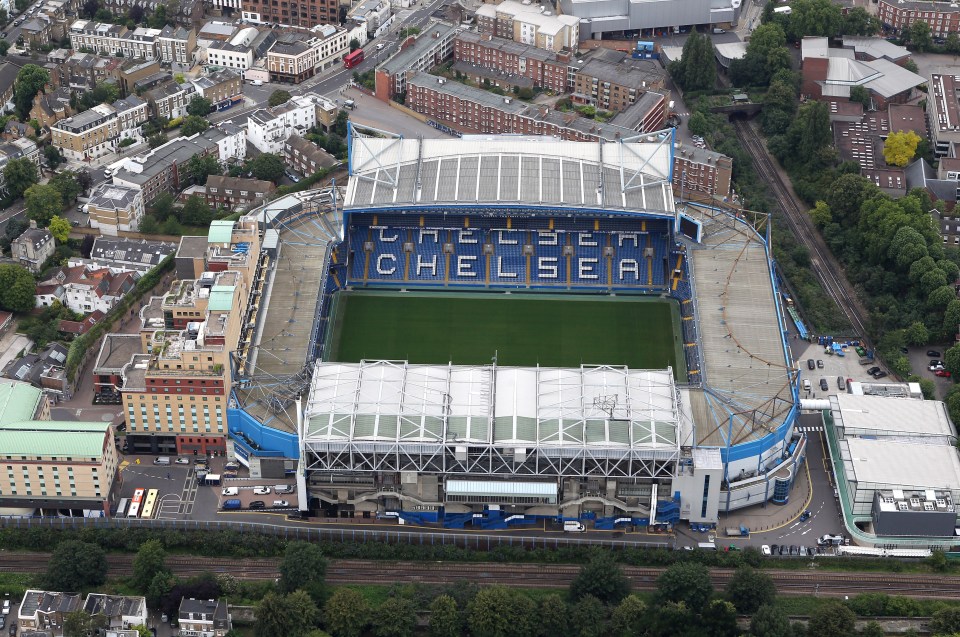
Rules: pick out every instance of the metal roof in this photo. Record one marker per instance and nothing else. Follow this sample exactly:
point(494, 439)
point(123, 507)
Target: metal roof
point(220, 231)
point(898, 417)
point(500, 170)
point(898, 464)
point(18, 401)
point(51, 438)
point(221, 298)
point(598, 407)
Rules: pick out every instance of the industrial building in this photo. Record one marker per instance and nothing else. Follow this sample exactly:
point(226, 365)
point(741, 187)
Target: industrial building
point(598, 17)
point(897, 469)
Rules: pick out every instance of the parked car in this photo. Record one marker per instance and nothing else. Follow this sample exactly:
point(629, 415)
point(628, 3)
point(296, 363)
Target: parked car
point(819, 364)
point(257, 504)
point(880, 375)
point(281, 504)
point(873, 370)
point(13, 629)
point(3, 621)
point(774, 549)
point(935, 368)
point(281, 489)
point(935, 361)
point(261, 490)
point(182, 461)
point(933, 352)
point(231, 491)
point(811, 551)
point(805, 515)
point(765, 549)
point(942, 373)
point(794, 550)
point(810, 364)
point(823, 384)
point(841, 383)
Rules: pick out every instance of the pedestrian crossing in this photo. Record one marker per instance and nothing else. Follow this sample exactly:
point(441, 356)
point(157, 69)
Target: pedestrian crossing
point(809, 430)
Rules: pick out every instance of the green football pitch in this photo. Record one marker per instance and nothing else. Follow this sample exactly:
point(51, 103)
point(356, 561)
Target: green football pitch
point(521, 330)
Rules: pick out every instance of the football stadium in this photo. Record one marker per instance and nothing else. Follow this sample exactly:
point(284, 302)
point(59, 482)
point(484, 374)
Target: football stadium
point(488, 331)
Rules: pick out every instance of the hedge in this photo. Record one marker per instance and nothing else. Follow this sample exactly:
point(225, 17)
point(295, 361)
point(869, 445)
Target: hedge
point(82, 343)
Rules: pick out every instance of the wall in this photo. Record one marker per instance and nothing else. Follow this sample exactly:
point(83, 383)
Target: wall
point(266, 437)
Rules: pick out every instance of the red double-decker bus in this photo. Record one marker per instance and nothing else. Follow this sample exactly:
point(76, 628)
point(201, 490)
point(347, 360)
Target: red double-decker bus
point(353, 58)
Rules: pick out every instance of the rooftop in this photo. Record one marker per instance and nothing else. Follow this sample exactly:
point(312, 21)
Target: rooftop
point(110, 197)
point(131, 251)
point(434, 32)
point(896, 464)
point(116, 350)
point(507, 46)
point(900, 417)
point(638, 74)
point(875, 47)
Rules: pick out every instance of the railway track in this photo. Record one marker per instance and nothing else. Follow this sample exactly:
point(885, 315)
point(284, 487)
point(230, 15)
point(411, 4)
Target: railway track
point(824, 266)
point(553, 576)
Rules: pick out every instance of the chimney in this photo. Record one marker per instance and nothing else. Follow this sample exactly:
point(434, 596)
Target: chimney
point(33, 224)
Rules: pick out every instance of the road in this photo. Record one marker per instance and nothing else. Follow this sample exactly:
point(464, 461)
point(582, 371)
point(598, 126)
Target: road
point(822, 262)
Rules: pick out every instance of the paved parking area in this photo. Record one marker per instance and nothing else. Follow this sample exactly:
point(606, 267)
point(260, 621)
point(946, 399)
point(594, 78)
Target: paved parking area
point(834, 367)
point(246, 493)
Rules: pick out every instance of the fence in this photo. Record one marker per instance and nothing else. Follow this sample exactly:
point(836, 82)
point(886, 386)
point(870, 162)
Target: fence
point(418, 537)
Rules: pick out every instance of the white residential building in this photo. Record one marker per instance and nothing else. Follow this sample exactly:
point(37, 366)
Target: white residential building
point(231, 141)
point(96, 132)
point(268, 129)
point(238, 57)
point(113, 39)
point(115, 208)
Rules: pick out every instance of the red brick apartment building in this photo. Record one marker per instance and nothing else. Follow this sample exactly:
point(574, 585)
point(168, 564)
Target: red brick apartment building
point(943, 17)
point(545, 69)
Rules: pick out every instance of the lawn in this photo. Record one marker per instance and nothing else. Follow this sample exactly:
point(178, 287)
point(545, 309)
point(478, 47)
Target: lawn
point(521, 330)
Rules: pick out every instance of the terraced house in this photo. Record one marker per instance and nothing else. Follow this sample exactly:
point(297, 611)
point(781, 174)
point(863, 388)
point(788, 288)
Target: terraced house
point(97, 132)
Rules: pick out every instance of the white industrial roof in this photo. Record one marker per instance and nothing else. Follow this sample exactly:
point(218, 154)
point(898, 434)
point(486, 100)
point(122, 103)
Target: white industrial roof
point(897, 464)
point(879, 416)
point(589, 407)
point(506, 169)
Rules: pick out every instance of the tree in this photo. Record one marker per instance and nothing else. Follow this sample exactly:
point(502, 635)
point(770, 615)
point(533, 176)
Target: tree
point(53, 155)
point(900, 147)
point(766, 54)
point(30, 80)
point(149, 562)
point(720, 619)
point(292, 615)
point(769, 621)
point(860, 94)
point(951, 318)
point(17, 288)
point(814, 127)
point(199, 106)
point(80, 624)
point(354, 44)
point(952, 45)
point(268, 167)
point(304, 567)
point(159, 18)
point(19, 174)
point(601, 578)
point(951, 360)
point(21, 5)
point(67, 184)
point(685, 582)
point(43, 202)
point(162, 583)
point(588, 617)
point(346, 613)
point(554, 615)
point(4, 16)
point(162, 208)
point(750, 589)
point(196, 212)
point(696, 70)
point(192, 125)
point(201, 166)
point(945, 621)
point(821, 214)
point(445, 620)
point(279, 97)
point(917, 333)
point(499, 612)
point(627, 618)
point(919, 35)
point(4, 47)
point(157, 139)
point(74, 565)
point(698, 124)
point(395, 617)
point(832, 620)
point(59, 228)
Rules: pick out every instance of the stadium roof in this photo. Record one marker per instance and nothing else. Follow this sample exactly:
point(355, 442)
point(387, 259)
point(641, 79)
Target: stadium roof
point(612, 408)
point(506, 170)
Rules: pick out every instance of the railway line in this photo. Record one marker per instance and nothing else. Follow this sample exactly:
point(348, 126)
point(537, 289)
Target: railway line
point(552, 576)
point(823, 264)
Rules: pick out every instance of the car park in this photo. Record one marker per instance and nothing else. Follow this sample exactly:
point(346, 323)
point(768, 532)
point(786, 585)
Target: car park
point(819, 364)
point(810, 364)
point(261, 490)
point(823, 384)
point(231, 491)
point(257, 504)
point(811, 551)
point(781, 549)
point(934, 353)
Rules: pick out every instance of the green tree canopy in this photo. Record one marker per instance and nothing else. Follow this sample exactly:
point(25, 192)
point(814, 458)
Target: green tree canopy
point(199, 106)
point(304, 567)
point(860, 94)
point(588, 617)
point(196, 212)
point(766, 54)
point(346, 613)
point(19, 174)
point(685, 582)
point(149, 562)
point(627, 618)
point(920, 36)
point(601, 578)
point(554, 615)
point(30, 80)
point(395, 617)
point(74, 565)
point(68, 185)
point(43, 203)
point(292, 615)
point(17, 288)
point(53, 156)
point(832, 620)
point(749, 589)
point(268, 167)
point(191, 125)
point(769, 621)
point(354, 44)
point(279, 97)
point(59, 228)
point(696, 70)
point(499, 612)
point(445, 619)
point(80, 624)
point(814, 17)
point(202, 166)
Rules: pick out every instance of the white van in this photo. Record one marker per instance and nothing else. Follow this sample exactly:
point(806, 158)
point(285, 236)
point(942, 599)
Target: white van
point(572, 526)
point(806, 384)
point(256, 82)
point(706, 546)
point(163, 461)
